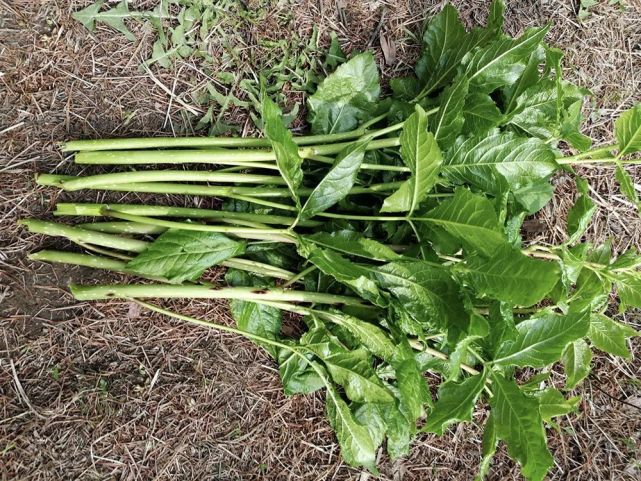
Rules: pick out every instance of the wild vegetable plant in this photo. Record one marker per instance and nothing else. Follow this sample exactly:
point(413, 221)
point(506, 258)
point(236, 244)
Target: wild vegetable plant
point(393, 231)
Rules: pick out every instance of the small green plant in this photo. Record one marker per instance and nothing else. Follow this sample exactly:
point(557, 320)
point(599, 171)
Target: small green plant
point(393, 231)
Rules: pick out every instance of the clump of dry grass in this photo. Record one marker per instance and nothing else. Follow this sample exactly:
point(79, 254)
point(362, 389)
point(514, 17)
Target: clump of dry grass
point(103, 390)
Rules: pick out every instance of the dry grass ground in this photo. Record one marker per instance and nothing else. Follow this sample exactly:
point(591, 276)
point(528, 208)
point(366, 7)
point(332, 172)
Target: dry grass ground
point(104, 391)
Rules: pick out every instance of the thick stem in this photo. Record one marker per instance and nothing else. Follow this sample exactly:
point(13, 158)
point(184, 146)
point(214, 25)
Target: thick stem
point(131, 157)
point(63, 209)
point(81, 235)
point(279, 235)
point(78, 183)
point(123, 228)
point(123, 291)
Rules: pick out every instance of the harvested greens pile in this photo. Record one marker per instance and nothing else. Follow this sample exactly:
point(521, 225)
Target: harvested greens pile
point(393, 230)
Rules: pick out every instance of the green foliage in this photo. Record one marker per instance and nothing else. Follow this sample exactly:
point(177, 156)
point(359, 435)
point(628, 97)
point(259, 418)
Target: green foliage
point(398, 245)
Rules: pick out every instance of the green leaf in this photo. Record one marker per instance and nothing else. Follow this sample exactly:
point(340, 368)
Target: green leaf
point(456, 401)
point(183, 255)
point(334, 264)
point(502, 61)
point(510, 276)
point(412, 391)
point(518, 422)
point(357, 446)
point(627, 129)
point(448, 121)
point(371, 415)
point(570, 131)
point(529, 77)
point(489, 444)
point(288, 160)
point(422, 155)
point(626, 183)
point(374, 338)
point(445, 43)
point(498, 161)
point(113, 17)
point(352, 370)
point(337, 183)
point(470, 218)
point(296, 374)
point(426, 292)
point(481, 114)
point(353, 244)
point(541, 339)
point(610, 336)
point(553, 404)
point(629, 289)
point(581, 213)
point(345, 97)
point(576, 359)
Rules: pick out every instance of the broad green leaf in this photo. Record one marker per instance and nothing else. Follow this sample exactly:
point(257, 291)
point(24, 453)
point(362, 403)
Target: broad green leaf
point(338, 181)
point(345, 97)
point(629, 289)
point(114, 17)
point(183, 255)
point(445, 43)
point(470, 218)
point(257, 319)
point(447, 123)
point(296, 374)
point(371, 415)
point(426, 292)
point(352, 370)
point(357, 445)
point(534, 196)
point(421, 154)
point(498, 161)
point(518, 422)
point(541, 339)
point(627, 129)
point(502, 61)
point(335, 54)
point(576, 359)
point(354, 244)
point(399, 433)
point(570, 131)
point(481, 114)
point(610, 336)
point(529, 77)
point(288, 160)
point(581, 213)
point(510, 276)
point(334, 264)
point(456, 401)
point(502, 328)
point(413, 392)
point(553, 404)
point(374, 338)
point(626, 183)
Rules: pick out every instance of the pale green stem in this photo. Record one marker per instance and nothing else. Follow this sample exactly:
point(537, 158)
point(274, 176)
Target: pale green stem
point(604, 149)
point(295, 278)
point(120, 291)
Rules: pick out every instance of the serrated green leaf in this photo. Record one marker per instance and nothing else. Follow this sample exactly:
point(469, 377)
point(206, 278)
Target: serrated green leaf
point(114, 17)
point(456, 401)
point(357, 445)
point(337, 182)
point(552, 404)
point(610, 336)
point(413, 393)
point(510, 276)
point(626, 183)
point(580, 214)
point(502, 61)
point(518, 422)
point(354, 244)
point(529, 77)
point(481, 114)
point(371, 415)
point(422, 155)
point(288, 160)
point(489, 445)
point(183, 255)
point(541, 339)
point(627, 129)
point(448, 121)
point(296, 374)
point(345, 97)
point(576, 359)
point(629, 289)
point(470, 218)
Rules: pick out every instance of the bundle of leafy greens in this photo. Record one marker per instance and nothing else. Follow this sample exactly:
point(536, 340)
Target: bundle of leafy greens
point(393, 230)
